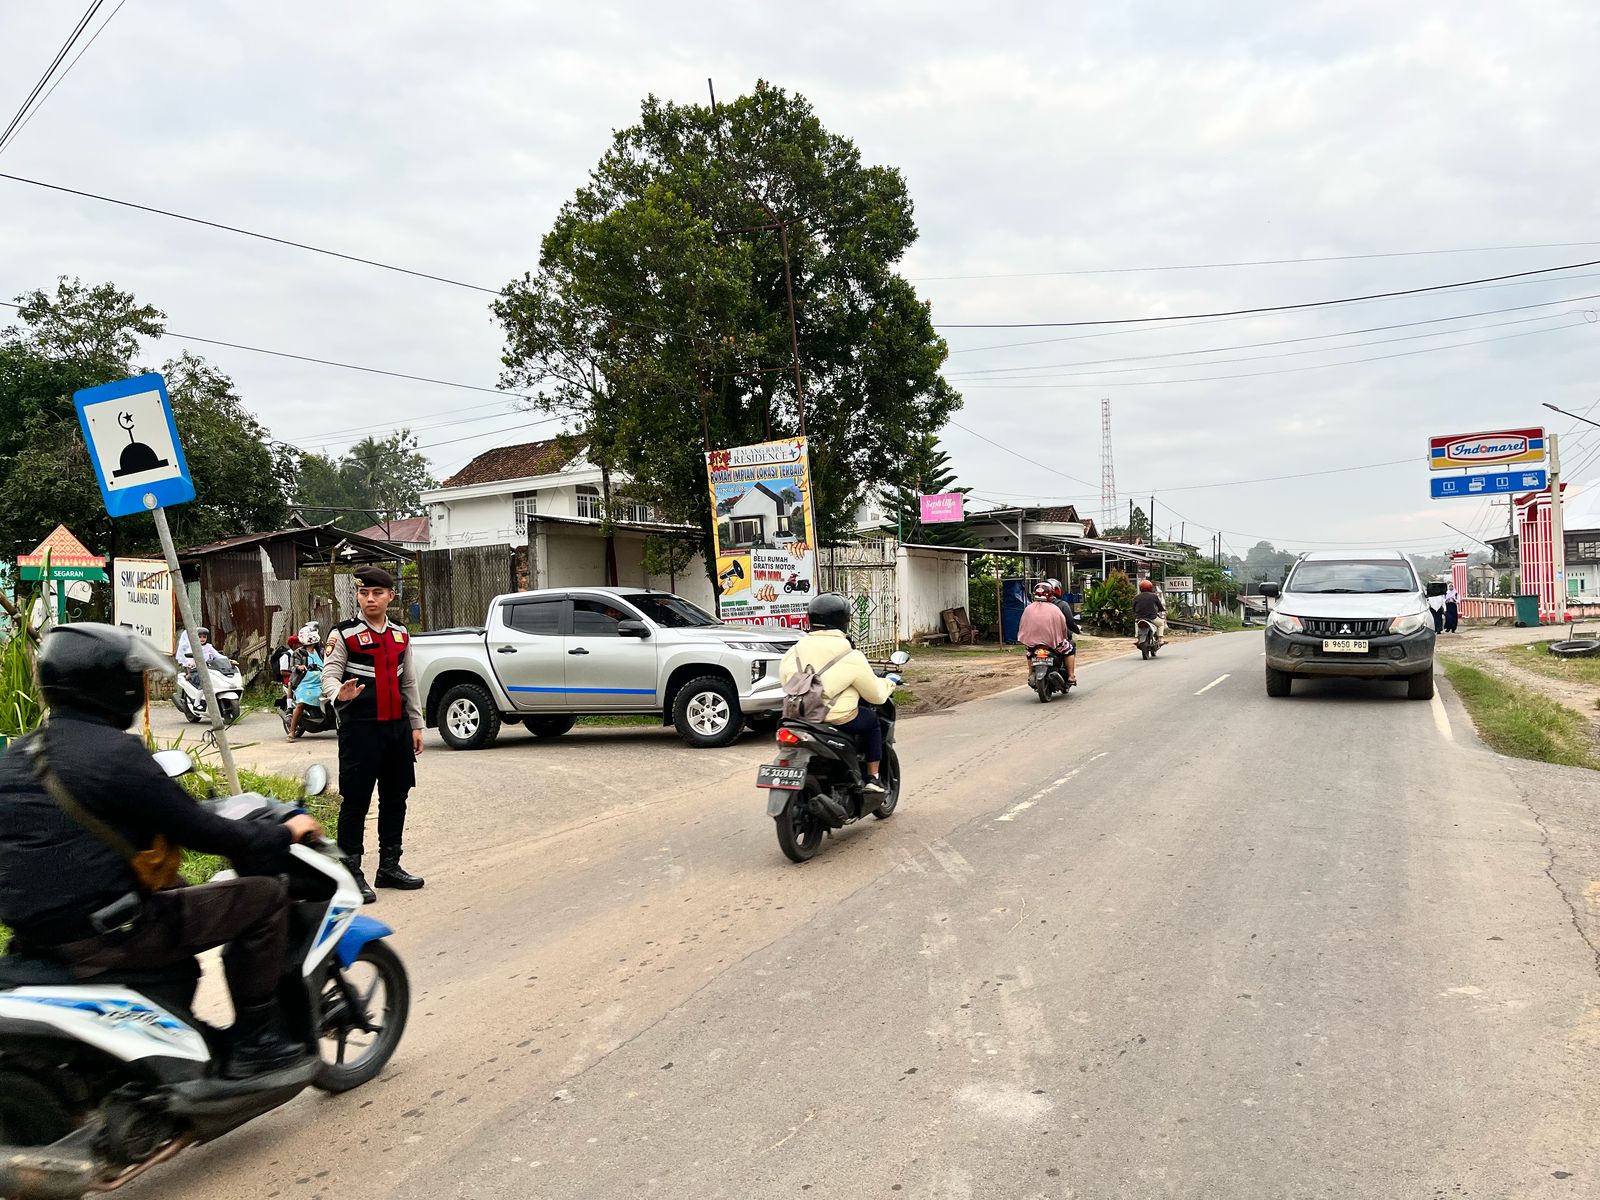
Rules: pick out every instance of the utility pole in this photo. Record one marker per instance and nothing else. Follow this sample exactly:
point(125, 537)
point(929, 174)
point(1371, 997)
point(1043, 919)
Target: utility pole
point(1558, 532)
point(1153, 524)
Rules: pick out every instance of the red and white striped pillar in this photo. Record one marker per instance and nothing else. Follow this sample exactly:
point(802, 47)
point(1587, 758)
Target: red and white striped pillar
point(1458, 571)
point(1536, 546)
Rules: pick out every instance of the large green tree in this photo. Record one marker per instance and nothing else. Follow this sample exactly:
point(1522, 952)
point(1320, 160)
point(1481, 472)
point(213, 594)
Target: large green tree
point(658, 317)
point(79, 336)
point(377, 479)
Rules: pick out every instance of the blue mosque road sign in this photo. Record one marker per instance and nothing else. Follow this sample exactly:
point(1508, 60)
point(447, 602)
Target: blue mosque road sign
point(1498, 483)
point(133, 443)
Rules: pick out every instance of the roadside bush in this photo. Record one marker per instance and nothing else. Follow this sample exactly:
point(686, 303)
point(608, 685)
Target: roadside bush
point(1108, 606)
point(21, 707)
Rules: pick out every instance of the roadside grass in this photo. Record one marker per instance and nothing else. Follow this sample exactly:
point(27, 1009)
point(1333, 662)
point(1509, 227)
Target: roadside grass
point(1520, 722)
point(1537, 657)
point(611, 722)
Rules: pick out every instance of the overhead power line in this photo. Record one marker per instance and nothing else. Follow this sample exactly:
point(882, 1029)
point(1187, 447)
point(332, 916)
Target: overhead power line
point(1254, 262)
point(1048, 374)
point(66, 48)
point(328, 362)
point(1265, 308)
point(1348, 362)
point(43, 100)
point(251, 233)
point(1313, 337)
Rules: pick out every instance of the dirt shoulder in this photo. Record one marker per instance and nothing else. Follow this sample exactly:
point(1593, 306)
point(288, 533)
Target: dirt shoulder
point(939, 677)
point(1514, 655)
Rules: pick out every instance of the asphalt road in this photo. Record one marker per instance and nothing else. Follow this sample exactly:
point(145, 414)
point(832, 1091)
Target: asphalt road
point(1163, 938)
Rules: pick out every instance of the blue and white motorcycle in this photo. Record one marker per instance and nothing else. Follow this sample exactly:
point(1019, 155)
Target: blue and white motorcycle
point(101, 1080)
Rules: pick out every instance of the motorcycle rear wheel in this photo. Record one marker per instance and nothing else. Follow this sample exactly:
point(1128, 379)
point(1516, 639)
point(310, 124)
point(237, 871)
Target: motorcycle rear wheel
point(891, 781)
point(1042, 686)
point(378, 977)
point(800, 832)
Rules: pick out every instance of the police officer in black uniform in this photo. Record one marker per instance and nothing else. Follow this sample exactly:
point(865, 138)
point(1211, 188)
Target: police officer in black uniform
point(368, 672)
point(81, 798)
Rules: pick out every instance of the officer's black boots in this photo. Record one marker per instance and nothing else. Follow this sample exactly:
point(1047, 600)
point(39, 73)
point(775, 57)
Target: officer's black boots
point(392, 874)
point(353, 865)
point(261, 1043)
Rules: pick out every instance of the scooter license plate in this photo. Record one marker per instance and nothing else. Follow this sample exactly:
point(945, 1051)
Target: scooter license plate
point(790, 778)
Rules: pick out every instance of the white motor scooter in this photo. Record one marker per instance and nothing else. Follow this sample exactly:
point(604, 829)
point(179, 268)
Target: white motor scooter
point(102, 1079)
point(190, 698)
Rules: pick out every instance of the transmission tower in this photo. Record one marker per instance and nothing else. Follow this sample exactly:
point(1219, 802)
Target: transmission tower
point(1108, 474)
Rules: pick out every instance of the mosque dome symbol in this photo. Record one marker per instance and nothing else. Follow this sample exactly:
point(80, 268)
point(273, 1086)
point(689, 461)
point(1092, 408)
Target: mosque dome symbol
point(137, 458)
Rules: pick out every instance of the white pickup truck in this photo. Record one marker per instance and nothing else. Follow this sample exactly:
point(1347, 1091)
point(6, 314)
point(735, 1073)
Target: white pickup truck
point(545, 658)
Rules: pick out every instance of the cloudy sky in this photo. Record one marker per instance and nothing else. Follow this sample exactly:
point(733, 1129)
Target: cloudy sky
point(1068, 163)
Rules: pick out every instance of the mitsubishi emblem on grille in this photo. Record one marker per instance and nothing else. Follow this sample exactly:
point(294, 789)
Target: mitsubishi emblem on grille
point(1344, 629)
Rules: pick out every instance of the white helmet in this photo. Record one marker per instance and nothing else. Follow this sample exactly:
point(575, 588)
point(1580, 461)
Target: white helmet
point(310, 635)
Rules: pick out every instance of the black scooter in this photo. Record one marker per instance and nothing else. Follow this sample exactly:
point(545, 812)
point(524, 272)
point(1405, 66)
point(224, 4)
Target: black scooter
point(816, 783)
point(1047, 673)
point(312, 719)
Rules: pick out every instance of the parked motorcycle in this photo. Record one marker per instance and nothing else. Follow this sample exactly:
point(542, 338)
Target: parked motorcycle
point(190, 698)
point(1046, 675)
point(816, 782)
point(796, 584)
point(1146, 638)
point(101, 1080)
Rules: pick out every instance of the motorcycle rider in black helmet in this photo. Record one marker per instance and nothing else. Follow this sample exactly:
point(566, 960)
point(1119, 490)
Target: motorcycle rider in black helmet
point(848, 681)
point(90, 834)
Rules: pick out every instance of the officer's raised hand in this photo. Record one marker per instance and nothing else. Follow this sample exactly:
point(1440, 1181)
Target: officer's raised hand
point(349, 690)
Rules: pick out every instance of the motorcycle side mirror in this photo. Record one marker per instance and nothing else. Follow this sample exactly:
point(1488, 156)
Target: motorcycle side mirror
point(173, 762)
point(633, 629)
point(899, 658)
point(316, 779)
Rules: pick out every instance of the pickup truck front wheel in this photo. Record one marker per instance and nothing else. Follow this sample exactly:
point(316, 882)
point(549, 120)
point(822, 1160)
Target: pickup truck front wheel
point(706, 712)
point(468, 719)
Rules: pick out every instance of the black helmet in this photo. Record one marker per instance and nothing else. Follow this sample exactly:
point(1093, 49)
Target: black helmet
point(98, 668)
point(829, 610)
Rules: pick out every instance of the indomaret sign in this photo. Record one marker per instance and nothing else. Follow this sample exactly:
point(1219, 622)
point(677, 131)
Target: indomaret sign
point(1496, 448)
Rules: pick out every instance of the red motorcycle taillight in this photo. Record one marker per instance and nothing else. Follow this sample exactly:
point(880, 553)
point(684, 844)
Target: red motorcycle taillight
point(1041, 654)
point(788, 737)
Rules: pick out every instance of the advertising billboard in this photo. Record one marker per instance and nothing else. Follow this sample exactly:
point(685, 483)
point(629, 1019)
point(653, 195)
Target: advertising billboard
point(763, 529)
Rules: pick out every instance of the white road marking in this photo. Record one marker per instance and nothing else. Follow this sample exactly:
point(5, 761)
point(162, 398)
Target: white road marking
point(1441, 718)
point(1212, 684)
point(1016, 810)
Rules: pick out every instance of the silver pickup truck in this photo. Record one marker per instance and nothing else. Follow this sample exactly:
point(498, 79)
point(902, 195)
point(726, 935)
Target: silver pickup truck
point(545, 658)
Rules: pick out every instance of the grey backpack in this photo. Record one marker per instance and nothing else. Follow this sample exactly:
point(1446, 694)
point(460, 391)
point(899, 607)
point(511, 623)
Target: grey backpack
point(803, 697)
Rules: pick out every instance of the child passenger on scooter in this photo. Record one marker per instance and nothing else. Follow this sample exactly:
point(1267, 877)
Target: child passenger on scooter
point(308, 678)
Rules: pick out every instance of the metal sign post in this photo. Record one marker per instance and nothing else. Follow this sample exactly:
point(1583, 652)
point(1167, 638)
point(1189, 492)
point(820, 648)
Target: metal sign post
point(139, 465)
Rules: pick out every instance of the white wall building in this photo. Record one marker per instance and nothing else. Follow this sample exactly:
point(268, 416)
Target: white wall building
point(547, 496)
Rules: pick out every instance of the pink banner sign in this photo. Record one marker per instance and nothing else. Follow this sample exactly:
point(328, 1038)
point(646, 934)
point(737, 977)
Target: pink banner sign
point(943, 507)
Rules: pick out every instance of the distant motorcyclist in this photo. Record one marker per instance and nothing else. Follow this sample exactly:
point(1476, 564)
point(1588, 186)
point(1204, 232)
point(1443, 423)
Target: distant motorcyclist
point(1043, 625)
point(848, 680)
point(209, 654)
point(1059, 595)
point(92, 831)
point(1149, 606)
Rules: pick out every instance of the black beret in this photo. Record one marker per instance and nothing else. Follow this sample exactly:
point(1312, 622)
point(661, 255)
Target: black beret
point(374, 577)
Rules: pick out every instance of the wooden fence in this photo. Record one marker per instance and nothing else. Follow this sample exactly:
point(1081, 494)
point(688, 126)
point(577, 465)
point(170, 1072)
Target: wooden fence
point(459, 583)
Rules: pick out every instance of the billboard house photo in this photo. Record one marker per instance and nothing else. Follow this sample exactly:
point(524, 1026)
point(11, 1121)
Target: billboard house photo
point(766, 557)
